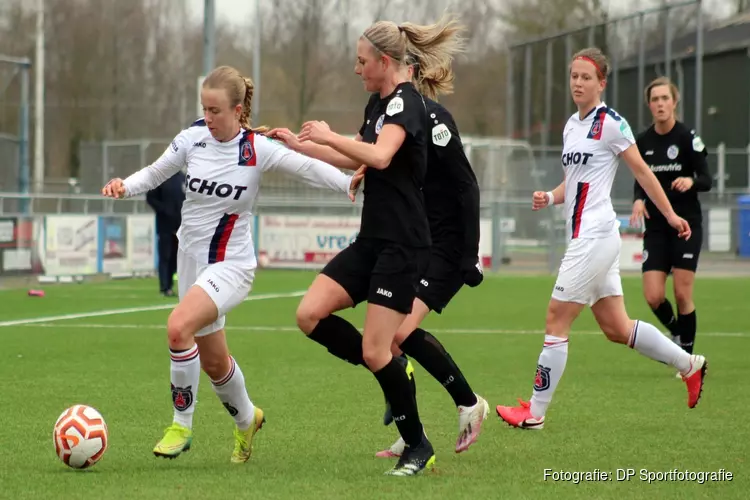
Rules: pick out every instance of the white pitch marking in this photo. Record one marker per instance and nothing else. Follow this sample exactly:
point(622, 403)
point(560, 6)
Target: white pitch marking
point(127, 310)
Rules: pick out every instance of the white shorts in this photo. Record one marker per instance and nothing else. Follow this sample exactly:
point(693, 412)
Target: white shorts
point(227, 283)
point(590, 270)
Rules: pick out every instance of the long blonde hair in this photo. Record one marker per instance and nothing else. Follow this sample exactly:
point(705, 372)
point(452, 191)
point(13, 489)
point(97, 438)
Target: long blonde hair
point(429, 48)
point(239, 89)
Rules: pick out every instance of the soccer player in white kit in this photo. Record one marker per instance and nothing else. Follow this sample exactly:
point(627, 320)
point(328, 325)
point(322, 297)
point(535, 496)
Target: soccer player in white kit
point(216, 262)
point(593, 140)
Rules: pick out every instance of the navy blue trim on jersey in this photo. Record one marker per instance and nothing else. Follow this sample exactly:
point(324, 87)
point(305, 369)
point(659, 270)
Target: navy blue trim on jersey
point(581, 194)
point(611, 112)
point(218, 246)
point(200, 122)
point(589, 113)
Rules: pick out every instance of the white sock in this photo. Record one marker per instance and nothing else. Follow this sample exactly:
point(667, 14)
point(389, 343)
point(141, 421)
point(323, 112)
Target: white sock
point(649, 341)
point(548, 373)
point(185, 371)
point(233, 395)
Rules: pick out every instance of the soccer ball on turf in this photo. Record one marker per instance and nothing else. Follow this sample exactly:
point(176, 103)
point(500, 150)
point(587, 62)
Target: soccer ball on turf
point(80, 436)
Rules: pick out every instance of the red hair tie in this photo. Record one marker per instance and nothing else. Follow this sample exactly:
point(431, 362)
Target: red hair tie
point(599, 72)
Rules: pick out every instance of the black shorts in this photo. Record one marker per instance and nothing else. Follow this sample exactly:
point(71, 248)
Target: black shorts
point(663, 250)
point(380, 272)
point(440, 282)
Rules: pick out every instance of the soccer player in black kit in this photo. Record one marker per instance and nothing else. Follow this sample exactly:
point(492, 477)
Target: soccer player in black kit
point(452, 199)
point(385, 262)
point(677, 156)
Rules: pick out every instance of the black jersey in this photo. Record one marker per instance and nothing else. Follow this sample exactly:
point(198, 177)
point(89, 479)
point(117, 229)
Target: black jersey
point(451, 190)
point(394, 207)
point(678, 153)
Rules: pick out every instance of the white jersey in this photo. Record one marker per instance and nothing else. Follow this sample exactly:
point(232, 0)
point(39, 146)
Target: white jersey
point(223, 179)
point(591, 147)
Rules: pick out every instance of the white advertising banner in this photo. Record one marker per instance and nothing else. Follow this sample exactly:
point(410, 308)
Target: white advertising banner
point(71, 244)
point(631, 251)
point(141, 238)
point(299, 241)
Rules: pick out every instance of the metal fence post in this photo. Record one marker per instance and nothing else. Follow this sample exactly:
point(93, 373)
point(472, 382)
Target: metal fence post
point(721, 160)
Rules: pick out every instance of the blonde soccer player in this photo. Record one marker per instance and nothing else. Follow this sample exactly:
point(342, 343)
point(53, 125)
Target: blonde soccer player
point(225, 159)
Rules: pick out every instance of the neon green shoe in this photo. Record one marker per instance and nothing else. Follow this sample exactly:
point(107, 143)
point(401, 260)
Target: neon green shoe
point(176, 440)
point(243, 440)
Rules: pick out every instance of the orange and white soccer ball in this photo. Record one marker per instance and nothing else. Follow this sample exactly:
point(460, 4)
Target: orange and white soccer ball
point(80, 436)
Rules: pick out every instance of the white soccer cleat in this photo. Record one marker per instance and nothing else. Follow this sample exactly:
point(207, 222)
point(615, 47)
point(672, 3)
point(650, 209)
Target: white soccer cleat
point(396, 449)
point(470, 420)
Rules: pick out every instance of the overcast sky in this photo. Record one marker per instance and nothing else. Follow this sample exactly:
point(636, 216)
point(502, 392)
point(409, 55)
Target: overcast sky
point(226, 10)
point(240, 11)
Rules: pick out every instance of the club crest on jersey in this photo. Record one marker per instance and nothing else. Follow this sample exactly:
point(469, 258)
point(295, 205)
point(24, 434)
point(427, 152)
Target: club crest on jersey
point(672, 152)
point(541, 379)
point(596, 130)
point(182, 397)
point(379, 124)
point(247, 150)
point(441, 136)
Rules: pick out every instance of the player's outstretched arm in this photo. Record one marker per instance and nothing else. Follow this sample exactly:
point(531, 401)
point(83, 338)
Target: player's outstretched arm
point(648, 181)
point(317, 151)
point(378, 155)
point(310, 171)
point(169, 163)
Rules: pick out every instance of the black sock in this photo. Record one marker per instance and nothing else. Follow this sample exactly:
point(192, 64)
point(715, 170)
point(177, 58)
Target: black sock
point(431, 354)
point(404, 361)
point(392, 379)
point(687, 325)
point(665, 313)
point(340, 337)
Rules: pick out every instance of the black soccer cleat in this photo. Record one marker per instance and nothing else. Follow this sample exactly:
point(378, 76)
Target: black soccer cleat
point(414, 460)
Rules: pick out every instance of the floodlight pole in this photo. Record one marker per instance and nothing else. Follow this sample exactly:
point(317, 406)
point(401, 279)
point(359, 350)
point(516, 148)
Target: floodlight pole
point(39, 101)
point(209, 36)
point(256, 63)
point(24, 65)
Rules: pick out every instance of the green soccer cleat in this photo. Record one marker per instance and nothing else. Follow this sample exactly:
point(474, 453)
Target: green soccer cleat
point(176, 440)
point(243, 440)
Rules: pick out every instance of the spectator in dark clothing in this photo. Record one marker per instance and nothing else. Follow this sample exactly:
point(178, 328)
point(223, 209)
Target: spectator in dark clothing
point(166, 200)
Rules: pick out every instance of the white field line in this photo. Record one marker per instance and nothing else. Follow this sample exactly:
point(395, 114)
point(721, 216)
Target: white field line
point(127, 310)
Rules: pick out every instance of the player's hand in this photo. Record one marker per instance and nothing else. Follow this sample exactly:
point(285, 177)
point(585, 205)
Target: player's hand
point(471, 271)
point(286, 136)
point(639, 213)
point(680, 225)
point(682, 184)
point(114, 189)
point(317, 132)
point(357, 178)
point(539, 200)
